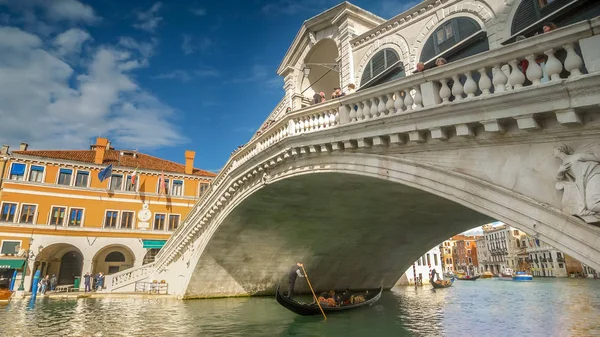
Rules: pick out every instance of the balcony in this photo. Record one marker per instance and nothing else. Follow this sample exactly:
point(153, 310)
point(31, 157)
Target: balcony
point(560, 259)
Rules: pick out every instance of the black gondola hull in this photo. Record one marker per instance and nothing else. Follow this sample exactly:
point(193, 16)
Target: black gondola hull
point(441, 286)
point(470, 278)
point(309, 310)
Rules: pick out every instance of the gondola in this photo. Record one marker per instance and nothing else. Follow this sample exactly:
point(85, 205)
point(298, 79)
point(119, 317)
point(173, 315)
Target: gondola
point(469, 278)
point(441, 286)
point(306, 309)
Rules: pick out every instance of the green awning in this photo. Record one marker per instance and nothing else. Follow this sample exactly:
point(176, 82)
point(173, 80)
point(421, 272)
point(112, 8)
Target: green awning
point(153, 243)
point(11, 263)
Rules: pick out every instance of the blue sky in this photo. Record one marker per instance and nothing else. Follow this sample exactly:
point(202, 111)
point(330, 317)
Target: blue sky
point(161, 77)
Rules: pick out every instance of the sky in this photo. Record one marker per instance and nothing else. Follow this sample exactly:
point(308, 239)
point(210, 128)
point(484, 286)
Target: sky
point(161, 77)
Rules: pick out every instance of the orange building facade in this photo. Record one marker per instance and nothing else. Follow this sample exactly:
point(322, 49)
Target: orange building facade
point(466, 254)
point(55, 208)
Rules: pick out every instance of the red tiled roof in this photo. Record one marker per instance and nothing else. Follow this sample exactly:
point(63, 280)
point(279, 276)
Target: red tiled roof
point(143, 161)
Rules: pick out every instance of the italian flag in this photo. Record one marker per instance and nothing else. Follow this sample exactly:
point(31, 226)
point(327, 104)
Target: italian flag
point(134, 177)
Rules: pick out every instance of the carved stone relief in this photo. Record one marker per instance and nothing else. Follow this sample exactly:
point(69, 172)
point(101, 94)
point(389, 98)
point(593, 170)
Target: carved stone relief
point(579, 178)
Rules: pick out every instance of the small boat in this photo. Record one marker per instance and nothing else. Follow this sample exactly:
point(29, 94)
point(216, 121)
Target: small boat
point(506, 275)
point(5, 295)
point(443, 283)
point(522, 276)
point(487, 274)
point(308, 309)
point(469, 278)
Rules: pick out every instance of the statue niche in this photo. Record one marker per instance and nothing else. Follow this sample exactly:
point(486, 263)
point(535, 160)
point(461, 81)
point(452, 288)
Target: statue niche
point(579, 178)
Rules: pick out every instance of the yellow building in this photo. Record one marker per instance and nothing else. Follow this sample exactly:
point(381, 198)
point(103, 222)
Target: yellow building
point(54, 206)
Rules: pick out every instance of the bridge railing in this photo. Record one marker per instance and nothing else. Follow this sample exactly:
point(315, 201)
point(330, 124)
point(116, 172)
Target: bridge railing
point(127, 277)
point(478, 77)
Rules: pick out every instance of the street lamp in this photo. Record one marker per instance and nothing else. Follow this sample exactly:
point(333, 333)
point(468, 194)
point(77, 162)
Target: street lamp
point(27, 257)
point(306, 71)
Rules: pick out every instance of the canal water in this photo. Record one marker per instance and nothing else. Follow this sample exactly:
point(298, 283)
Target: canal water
point(545, 307)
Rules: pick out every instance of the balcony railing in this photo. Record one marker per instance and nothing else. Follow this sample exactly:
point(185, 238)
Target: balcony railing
point(560, 259)
point(410, 100)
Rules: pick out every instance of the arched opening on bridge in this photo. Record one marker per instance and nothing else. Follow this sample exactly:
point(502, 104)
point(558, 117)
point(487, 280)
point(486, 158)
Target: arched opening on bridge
point(321, 71)
point(150, 255)
point(61, 259)
point(113, 259)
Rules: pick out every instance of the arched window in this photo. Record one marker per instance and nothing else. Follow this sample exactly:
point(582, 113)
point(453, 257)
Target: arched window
point(381, 65)
point(115, 257)
point(443, 41)
point(530, 14)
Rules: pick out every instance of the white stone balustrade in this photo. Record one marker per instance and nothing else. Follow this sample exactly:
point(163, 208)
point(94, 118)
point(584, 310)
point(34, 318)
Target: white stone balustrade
point(128, 276)
point(458, 82)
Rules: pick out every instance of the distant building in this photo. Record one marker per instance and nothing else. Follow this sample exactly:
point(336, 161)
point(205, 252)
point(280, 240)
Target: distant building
point(421, 268)
point(503, 244)
point(466, 254)
point(547, 261)
point(483, 255)
point(446, 250)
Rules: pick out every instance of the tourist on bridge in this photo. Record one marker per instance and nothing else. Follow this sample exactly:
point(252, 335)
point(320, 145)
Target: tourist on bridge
point(294, 273)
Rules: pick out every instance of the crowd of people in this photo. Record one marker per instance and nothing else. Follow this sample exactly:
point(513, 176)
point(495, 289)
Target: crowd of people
point(50, 283)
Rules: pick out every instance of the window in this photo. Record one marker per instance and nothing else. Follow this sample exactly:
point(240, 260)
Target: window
point(64, 176)
point(116, 182)
point(150, 255)
point(57, 216)
point(531, 11)
point(448, 35)
point(130, 183)
point(110, 221)
point(36, 173)
point(173, 221)
point(469, 251)
point(203, 188)
point(428, 260)
point(8, 212)
point(470, 261)
point(82, 178)
point(177, 188)
point(75, 217)
point(560, 265)
point(167, 184)
point(159, 222)
point(10, 247)
point(435, 260)
point(27, 213)
point(468, 243)
point(127, 220)
point(17, 171)
point(379, 63)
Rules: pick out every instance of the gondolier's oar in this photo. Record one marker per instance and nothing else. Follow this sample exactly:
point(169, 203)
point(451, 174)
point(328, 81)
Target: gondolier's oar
point(313, 292)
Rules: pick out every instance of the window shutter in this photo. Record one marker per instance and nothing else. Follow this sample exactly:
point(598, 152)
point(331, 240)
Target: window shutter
point(17, 169)
point(525, 16)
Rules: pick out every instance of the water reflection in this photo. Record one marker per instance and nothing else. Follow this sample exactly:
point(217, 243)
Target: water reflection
point(481, 308)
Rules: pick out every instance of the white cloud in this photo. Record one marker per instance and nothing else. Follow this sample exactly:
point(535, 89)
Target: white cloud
point(45, 101)
point(181, 75)
point(71, 41)
point(146, 49)
point(198, 11)
point(54, 10)
point(186, 45)
point(149, 20)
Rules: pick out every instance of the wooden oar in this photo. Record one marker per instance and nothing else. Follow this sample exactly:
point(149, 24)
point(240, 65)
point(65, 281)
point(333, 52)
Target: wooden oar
point(313, 292)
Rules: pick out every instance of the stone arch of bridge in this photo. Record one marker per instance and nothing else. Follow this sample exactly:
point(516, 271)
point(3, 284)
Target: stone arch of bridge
point(382, 201)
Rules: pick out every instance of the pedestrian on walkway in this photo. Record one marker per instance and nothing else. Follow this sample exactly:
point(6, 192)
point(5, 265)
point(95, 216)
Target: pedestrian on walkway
point(86, 282)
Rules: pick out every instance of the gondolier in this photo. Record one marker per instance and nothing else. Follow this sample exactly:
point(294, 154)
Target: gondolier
point(294, 273)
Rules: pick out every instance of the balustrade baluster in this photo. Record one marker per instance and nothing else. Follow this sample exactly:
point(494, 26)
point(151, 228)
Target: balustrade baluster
point(366, 109)
point(516, 78)
point(389, 104)
point(457, 88)
point(445, 91)
point(359, 111)
point(321, 121)
point(418, 97)
point(301, 124)
point(499, 79)
point(381, 109)
point(336, 117)
point(298, 127)
point(399, 102)
point(311, 123)
point(374, 110)
point(573, 62)
point(553, 65)
point(485, 84)
point(534, 71)
point(352, 114)
point(408, 100)
point(470, 85)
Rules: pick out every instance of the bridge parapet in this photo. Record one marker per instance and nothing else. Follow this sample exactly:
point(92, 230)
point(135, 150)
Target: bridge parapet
point(433, 105)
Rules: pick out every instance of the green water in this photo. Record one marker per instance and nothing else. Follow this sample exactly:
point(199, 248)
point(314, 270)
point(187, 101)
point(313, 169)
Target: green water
point(552, 307)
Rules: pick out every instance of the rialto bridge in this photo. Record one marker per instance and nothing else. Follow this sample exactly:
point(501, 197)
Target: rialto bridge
point(360, 186)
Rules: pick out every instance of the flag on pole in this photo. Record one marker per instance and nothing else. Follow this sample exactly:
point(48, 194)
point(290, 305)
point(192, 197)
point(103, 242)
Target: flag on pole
point(161, 184)
point(105, 174)
point(134, 177)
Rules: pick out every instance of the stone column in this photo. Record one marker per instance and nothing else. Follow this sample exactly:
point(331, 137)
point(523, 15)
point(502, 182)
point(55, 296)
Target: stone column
point(590, 50)
point(346, 63)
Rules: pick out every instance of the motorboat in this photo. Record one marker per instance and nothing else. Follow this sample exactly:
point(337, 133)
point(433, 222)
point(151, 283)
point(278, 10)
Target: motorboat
point(506, 275)
point(522, 276)
point(487, 274)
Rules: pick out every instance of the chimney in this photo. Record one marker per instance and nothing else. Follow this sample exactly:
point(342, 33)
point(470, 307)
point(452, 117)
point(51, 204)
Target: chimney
point(23, 147)
point(189, 161)
point(101, 146)
point(4, 150)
